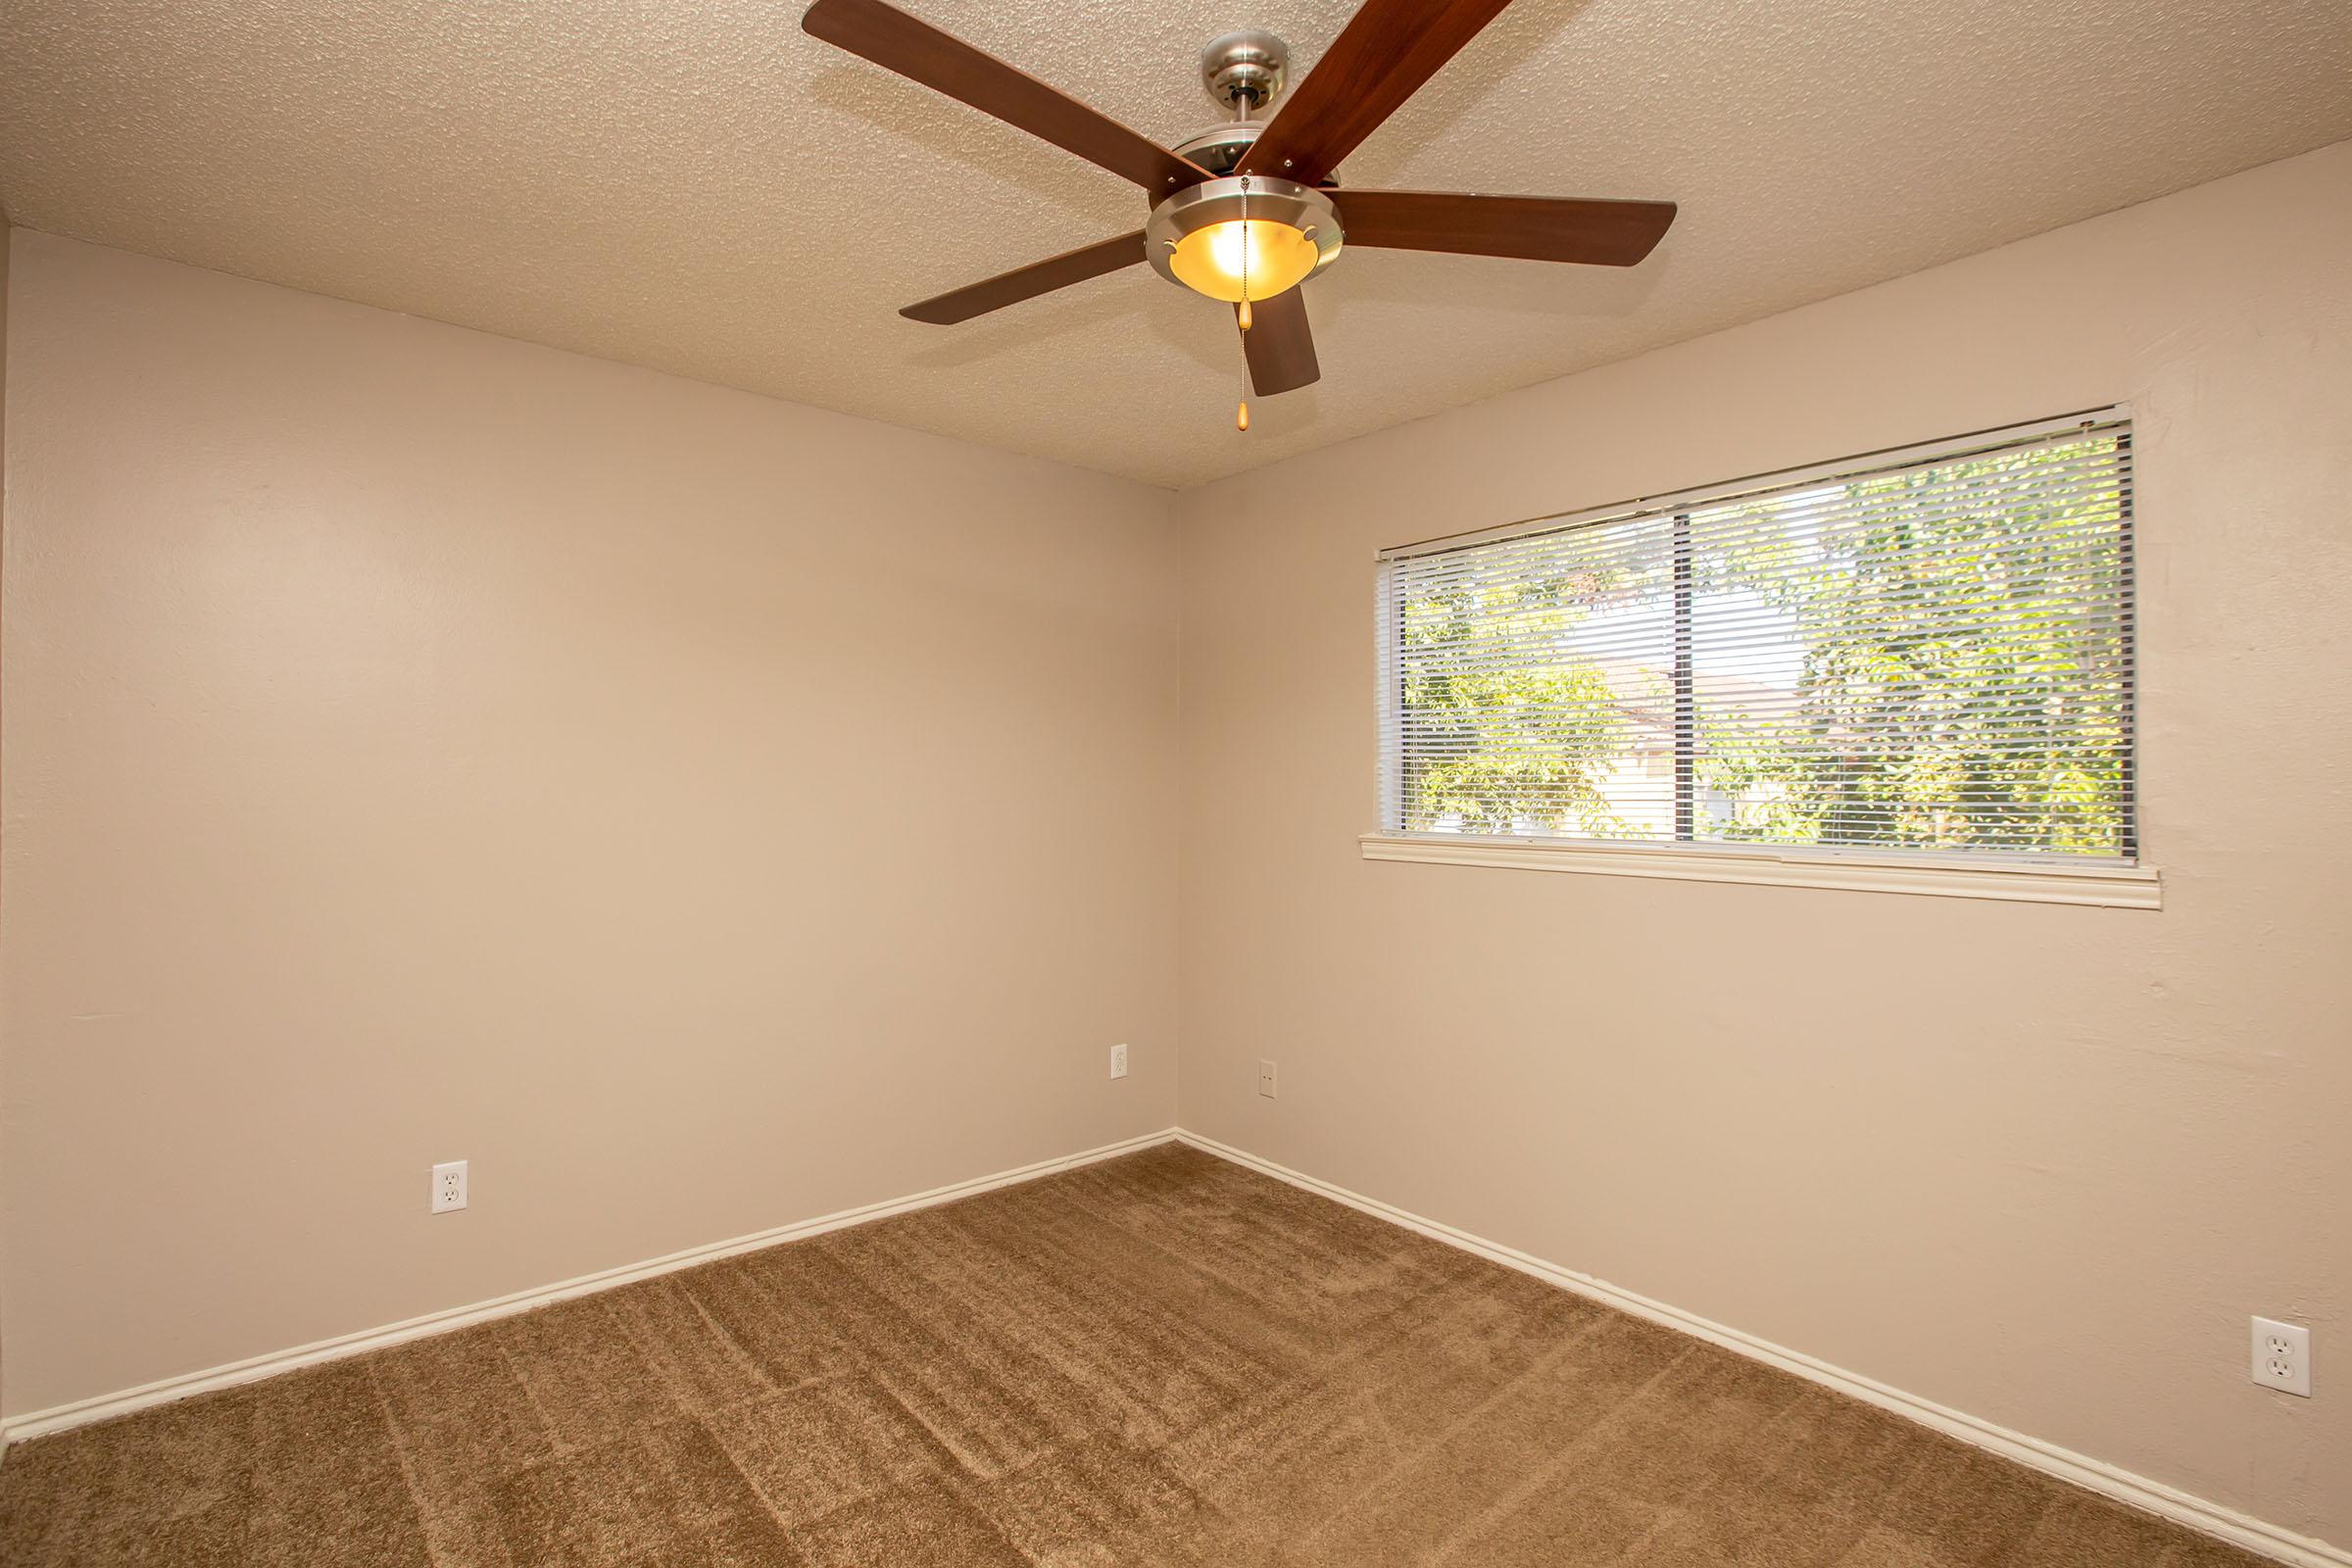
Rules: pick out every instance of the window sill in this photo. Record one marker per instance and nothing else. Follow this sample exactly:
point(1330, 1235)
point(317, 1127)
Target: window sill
point(2102, 883)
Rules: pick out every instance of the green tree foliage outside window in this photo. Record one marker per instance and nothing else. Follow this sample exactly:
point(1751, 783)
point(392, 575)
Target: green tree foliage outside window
point(1934, 657)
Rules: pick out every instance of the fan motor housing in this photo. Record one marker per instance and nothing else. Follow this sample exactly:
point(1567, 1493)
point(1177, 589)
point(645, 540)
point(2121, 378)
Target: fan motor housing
point(1220, 147)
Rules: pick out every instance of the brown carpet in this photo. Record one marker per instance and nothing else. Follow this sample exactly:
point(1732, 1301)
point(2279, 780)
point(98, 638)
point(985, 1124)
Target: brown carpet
point(1163, 1359)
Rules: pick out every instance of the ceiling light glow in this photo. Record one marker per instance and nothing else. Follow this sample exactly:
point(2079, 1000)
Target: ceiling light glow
point(1242, 237)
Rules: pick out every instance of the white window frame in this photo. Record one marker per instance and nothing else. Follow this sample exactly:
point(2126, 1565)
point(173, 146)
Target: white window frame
point(2133, 884)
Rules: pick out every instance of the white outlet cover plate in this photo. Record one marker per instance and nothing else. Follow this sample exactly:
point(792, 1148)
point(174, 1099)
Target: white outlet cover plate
point(1118, 1062)
point(449, 1187)
point(1266, 1078)
point(2281, 1356)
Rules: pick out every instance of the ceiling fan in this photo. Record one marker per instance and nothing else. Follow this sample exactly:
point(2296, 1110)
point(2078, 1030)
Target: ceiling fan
point(1248, 210)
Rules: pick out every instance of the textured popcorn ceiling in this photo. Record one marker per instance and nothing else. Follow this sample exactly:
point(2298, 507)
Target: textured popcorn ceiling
point(698, 186)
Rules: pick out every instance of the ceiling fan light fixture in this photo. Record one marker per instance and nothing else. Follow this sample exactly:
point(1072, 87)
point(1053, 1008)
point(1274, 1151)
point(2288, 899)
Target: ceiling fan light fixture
point(1384, 53)
point(1250, 236)
point(1256, 255)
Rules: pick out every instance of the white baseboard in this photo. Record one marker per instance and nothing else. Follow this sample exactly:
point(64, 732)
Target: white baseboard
point(57, 1418)
point(2136, 1492)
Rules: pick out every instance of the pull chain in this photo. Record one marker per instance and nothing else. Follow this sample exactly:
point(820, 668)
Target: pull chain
point(1241, 422)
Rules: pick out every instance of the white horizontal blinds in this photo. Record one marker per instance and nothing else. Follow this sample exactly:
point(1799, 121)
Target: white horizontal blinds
point(1937, 657)
point(1531, 685)
point(1932, 656)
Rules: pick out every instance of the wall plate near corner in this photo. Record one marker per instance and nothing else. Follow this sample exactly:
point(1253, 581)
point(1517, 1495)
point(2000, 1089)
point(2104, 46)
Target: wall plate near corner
point(1118, 1062)
point(2281, 1356)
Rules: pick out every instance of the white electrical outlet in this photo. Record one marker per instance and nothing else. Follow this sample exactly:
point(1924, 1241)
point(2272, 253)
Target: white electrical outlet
point(1266, 1078)
point(1118, 1062)
point(2282, 1356)
point(449, 1187)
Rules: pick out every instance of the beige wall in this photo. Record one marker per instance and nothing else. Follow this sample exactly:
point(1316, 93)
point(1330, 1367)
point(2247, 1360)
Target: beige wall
point(700, 812)
point(2038, 1163)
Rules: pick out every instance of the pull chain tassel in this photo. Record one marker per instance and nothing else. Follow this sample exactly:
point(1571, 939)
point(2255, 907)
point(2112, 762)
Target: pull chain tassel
point(1244, 312)
point(1242, 421)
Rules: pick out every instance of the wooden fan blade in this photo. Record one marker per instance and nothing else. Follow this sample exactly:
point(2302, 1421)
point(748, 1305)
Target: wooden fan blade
point(1279, 346)
point(1538, 228)
point(1379, 60)
point(921, 52)
point(1028, 283)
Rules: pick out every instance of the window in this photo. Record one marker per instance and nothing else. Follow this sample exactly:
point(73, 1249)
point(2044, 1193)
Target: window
point(1924, 657)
